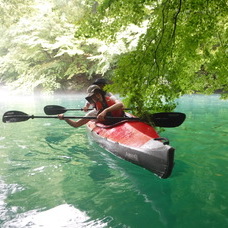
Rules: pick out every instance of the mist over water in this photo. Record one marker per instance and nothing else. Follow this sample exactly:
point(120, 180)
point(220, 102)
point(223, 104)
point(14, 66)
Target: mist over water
point(52, 175)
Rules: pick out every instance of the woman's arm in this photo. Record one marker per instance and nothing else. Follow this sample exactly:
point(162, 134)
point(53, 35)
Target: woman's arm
point(73, 123)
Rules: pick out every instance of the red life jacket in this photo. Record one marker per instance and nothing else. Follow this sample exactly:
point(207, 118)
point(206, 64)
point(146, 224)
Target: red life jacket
point(107, 103)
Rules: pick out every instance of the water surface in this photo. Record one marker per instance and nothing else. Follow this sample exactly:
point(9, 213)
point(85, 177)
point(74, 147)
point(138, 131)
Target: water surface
point(52, 175)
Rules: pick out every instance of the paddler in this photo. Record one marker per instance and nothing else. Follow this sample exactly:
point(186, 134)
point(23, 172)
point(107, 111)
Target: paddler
point(104, 106)
point(101, 82)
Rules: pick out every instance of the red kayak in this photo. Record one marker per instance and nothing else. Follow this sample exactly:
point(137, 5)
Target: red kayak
point(136, 142)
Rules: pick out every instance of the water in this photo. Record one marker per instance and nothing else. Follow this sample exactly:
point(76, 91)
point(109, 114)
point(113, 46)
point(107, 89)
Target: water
point(52, 175)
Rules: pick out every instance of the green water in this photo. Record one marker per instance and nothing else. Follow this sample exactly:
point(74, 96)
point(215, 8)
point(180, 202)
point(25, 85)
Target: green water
point(52, 175)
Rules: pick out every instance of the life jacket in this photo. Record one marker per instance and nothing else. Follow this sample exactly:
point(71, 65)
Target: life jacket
point(107, 103)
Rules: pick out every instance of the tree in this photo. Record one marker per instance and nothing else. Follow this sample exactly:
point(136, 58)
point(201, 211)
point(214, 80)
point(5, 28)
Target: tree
point(38, 49)
point(183, 51)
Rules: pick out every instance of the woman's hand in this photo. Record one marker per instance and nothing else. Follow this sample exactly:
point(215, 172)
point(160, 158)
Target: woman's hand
point(101, 116)
point(61, 116)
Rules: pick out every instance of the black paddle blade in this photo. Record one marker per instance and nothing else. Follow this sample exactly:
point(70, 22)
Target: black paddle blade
point(14, 116)
point(54, 109)
point(168, 119)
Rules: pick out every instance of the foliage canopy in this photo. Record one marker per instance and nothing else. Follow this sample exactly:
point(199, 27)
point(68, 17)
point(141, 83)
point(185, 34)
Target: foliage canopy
point(182, 51)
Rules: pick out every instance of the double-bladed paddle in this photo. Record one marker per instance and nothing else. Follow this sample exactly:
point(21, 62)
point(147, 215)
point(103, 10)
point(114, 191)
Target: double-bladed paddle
point(162, 119)
point(57, 109)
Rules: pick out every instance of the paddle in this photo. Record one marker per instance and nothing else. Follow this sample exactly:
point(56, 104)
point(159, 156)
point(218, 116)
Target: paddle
point(56, 109)
point(163, 119)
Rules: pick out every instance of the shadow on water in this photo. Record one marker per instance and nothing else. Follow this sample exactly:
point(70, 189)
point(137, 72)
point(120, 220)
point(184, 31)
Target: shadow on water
point(54, 139)
point(180, 168)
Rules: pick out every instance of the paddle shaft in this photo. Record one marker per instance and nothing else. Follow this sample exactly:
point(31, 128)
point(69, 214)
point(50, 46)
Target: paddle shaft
point(73, 109)
point(70, 117)
point(57, 109)
point(81, 109)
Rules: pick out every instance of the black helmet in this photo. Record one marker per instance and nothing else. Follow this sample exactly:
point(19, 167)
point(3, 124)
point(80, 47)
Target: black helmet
point(100, 81)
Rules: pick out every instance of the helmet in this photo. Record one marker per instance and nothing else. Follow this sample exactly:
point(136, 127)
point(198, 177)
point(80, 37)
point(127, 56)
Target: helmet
point(100, 81)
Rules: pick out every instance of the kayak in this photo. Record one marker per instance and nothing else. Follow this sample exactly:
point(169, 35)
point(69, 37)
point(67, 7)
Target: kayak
point(136, 142)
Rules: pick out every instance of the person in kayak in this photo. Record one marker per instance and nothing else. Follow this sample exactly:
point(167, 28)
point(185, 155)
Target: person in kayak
point(101, 82)
point(104, 106)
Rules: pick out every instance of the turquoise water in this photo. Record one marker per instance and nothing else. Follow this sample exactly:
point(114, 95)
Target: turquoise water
point(52, 175)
